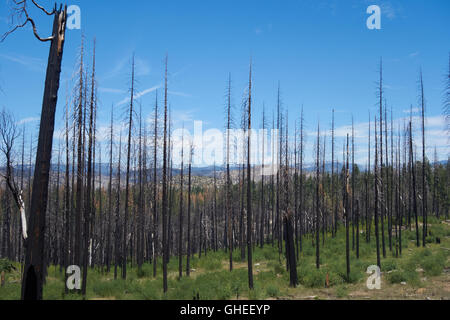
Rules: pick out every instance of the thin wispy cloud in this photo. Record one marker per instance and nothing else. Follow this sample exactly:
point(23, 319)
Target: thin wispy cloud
point(137, 95)
point(152, 89)
point(142, 67)
point(110, 90)
point(414, 54)
point(413, 110)
point(181, 94)
point(116, 70)
point(182, 116)
point(123, 67)
point(388, 10)
point(34, 64)
point(28, 120)
point(434, 132)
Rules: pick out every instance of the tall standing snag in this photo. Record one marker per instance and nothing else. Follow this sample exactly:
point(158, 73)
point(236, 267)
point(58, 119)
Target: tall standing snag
point(249, 194)
point(33, 276)
point(164, 187)
point(127, 183)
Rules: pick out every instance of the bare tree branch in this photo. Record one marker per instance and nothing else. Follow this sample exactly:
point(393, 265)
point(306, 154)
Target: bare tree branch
point(8, 134)
point(19, 10)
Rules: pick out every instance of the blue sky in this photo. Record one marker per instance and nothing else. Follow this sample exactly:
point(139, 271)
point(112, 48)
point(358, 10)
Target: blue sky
point(321, 52)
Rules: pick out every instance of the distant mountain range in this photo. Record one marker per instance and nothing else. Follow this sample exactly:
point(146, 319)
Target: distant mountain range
point(207, 171)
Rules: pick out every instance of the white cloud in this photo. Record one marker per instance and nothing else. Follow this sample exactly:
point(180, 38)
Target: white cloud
point(177, 93)
point(179, 117)
point(413, 110)
point(34, 64)
point(110, 90)
point(142, 68)
point(435, 136)
point(137, 95)
point(28, 120)
point(388, 10)
point(123, 67)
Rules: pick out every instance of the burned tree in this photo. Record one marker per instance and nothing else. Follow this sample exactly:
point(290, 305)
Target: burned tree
point(249, 193)
point(127, 182)
point(33, 276)
point(8, 136)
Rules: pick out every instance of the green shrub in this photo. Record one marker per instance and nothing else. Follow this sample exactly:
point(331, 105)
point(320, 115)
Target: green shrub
point(397, 277)
point(6, 266)
point(212, 265)
point(434, 264)
point(272, 291)
point(388, 265)
point(112, 288)
point(410, 277)
point(341, 291)
point(312, 278)
point(10, 291)
point(143, 272)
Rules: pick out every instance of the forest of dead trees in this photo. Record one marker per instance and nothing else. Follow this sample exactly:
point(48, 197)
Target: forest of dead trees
point(117, 202)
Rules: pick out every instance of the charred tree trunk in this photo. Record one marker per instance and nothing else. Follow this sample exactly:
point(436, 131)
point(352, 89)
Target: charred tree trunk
point(376, 182)
point(32, 283)
point(127, 179)
point(317, 222)
point(249, 193)
point(424, 173)
point(164, 187)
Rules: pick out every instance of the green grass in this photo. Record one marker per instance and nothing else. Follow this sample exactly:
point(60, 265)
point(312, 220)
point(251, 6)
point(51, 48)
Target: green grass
point(211, 279)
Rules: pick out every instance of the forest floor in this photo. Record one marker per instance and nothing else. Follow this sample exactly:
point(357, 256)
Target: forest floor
point(418, 273)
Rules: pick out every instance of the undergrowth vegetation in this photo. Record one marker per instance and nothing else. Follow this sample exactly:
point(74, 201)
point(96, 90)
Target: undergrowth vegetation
point(211, 279)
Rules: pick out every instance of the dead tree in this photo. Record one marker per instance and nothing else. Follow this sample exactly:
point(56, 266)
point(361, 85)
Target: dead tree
point(346, 206)
point(155, 188)
point(288, 217)
point(317, 220)
point(164, 186)
point(424, 173)
point(67, 223)
point(188, 231)
point(108, 232)
point(8, 135)
point(117, 252)
point(249, 194)
point(228, 203)
point(382, 207)
point(180, 213)
point(263, 204)
point(140, 226)
point(368, 219)
point(376, 183)
point(33, 275)
point(301, 226)
point(446, 99)
point(413, 174)
point(333, 198)
point(80, 157)
point(88, 203)
point(127, 179)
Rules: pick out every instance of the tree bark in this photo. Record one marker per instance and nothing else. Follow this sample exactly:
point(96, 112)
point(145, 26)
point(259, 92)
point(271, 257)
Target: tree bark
point(32, 284)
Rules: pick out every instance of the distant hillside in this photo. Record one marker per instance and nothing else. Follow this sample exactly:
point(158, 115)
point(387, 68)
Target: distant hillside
point(207, 171)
